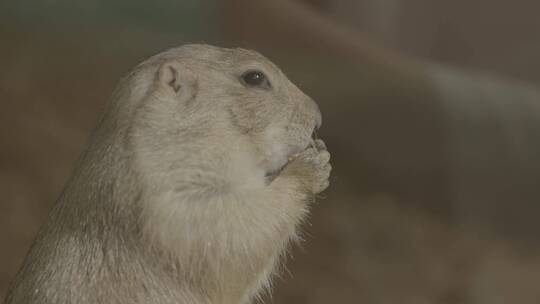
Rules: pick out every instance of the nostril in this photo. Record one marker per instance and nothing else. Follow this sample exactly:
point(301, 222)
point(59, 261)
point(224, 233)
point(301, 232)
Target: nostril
point(318, 122)
point(314, 109)
point(318, 117)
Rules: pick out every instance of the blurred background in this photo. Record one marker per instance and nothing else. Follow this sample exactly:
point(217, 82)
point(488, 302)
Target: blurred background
point(431, 110)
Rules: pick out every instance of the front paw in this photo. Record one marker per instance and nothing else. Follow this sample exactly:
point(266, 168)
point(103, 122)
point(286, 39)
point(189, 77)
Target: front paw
point(311, 168)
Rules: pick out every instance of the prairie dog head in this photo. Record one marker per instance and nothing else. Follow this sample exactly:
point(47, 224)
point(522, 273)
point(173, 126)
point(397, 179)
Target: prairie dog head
point(235, 98)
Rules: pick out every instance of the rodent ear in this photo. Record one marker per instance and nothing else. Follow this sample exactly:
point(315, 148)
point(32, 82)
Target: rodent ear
point(177, 80)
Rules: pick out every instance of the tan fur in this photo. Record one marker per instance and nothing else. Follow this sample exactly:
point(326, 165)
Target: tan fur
point(171, 202)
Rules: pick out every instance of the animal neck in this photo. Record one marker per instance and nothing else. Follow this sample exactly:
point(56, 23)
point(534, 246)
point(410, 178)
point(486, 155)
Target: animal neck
point(200, 198)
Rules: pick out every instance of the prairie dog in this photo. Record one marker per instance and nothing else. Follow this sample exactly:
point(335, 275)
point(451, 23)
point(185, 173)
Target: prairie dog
point(191, 187)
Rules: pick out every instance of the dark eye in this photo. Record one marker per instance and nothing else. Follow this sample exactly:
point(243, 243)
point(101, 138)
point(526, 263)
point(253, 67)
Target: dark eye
point(255, 79)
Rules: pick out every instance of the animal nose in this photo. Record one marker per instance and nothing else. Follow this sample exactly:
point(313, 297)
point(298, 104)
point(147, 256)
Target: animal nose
point(317, 116)
point(318, 120)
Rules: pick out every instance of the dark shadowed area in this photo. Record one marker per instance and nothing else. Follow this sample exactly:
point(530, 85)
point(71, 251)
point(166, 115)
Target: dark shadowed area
point(431, 110)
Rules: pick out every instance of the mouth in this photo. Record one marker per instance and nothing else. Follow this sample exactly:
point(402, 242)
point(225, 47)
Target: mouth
point(272, 174)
